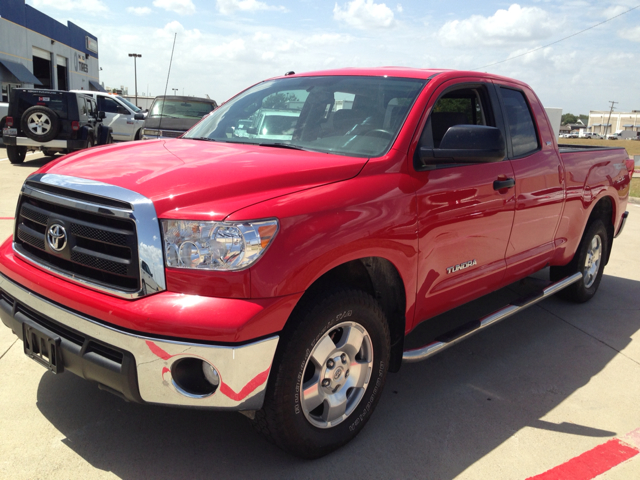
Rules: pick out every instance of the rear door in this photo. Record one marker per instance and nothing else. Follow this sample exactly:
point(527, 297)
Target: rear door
point(464, 223)
point(539, 177)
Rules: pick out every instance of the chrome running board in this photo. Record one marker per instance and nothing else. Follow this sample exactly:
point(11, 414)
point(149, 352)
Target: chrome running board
point(422, 353)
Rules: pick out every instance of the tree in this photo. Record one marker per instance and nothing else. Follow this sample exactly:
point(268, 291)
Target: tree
point(278, 101)
point(569, 118)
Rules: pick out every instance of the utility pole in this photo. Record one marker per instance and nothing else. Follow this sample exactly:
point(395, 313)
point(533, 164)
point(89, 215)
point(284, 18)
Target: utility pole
point(606, 128)
point(135, 72)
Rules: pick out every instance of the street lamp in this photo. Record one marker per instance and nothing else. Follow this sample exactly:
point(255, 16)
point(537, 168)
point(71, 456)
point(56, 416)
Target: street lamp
point(135, 72)
point(174, 90)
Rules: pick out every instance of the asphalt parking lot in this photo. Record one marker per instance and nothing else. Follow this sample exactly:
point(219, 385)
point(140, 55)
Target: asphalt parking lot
point(535, 392)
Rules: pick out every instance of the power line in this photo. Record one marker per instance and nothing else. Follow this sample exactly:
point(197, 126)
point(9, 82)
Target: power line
point(558, 41)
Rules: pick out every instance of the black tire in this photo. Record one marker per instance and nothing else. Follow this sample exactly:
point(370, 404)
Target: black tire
point(16, 154)
point(90, 141)
point(40, 123)
point(345, 318)
point(593, 248)
point(49, 153)
point(138, 135)
point(109, 139)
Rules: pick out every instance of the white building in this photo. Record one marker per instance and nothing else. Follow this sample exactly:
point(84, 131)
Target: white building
point(599, 121)
point(38, 51)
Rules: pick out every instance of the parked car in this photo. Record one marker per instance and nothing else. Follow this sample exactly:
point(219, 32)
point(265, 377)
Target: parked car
point(278, 273)
point(171, 116)
point(119, 115)
point(53, 121)
point(4, 109)
point(593, 135)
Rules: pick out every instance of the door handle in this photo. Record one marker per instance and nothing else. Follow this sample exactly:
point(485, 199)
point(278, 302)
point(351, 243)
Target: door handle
point(502, 184)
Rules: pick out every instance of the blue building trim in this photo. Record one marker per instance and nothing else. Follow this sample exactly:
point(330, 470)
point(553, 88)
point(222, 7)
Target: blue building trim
point(18, 12)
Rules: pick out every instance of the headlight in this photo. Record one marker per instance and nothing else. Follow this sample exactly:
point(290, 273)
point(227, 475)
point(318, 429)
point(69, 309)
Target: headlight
point(155, 133)
point(207, 245)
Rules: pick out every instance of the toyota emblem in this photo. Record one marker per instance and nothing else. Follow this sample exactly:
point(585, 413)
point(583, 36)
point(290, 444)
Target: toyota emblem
point(57, 237)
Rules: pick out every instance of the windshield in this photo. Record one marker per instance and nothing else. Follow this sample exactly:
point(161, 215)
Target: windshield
point(175, 108)
point(348, 115)
point(129, 104)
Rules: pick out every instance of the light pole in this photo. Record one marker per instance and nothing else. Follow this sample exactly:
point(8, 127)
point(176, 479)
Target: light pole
point(174, 90)
point(135, 73)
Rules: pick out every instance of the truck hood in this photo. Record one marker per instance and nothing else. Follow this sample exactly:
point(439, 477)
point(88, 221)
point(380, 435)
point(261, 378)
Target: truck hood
point(193, 179)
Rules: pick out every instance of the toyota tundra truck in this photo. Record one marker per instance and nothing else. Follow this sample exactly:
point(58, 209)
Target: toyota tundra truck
point(278, 273)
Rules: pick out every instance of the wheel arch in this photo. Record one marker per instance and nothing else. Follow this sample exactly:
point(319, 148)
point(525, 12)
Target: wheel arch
point(605, 210)
point(379, 278)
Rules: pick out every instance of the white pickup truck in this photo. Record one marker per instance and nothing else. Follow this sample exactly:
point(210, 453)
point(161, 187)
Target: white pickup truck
point(119, 115)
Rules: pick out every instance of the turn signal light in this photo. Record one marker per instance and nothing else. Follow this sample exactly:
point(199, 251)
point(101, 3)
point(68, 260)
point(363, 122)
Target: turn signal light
point(75, 126)
point(8, 122)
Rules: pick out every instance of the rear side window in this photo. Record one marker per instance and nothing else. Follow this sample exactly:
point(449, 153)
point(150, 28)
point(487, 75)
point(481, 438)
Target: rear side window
point(56, 102)
point(524, 139)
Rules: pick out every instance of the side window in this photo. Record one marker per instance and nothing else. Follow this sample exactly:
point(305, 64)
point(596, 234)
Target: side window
point(464, 106)
point(110, 105)
point(522, 130)
point(83, 106)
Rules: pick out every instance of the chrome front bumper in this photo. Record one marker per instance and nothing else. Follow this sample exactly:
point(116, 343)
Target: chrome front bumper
point(243, 370)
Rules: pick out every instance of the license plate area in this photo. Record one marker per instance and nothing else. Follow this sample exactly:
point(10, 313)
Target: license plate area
point(42, 347)
point(9, 131)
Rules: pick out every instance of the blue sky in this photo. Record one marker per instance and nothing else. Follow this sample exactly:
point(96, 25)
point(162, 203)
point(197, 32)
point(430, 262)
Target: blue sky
point(224, 46)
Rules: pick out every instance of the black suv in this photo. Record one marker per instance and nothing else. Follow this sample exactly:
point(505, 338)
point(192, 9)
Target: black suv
point(53, 121)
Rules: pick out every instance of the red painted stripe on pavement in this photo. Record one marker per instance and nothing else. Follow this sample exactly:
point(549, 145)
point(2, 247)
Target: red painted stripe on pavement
point(592, 463)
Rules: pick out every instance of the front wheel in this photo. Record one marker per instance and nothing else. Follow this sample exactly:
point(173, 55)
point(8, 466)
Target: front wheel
point(16, 154)
point(588, 260)
point(328, 375)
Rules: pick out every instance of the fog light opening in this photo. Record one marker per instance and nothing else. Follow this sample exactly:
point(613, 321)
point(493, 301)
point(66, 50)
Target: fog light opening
point(194, 377)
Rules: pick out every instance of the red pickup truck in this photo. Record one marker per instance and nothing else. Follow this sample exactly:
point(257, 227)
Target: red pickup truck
point(274, 258)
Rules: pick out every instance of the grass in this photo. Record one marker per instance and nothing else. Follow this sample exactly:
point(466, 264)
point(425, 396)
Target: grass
point(635, 187)
point(632, 146)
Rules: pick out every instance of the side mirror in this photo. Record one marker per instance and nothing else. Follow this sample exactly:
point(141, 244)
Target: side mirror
point(466, 144)
point(102, 115)
point(139, 116)
point(252, 130)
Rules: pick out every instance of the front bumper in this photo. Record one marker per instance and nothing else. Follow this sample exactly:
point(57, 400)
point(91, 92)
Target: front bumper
point(136, 366)
point(62, 144)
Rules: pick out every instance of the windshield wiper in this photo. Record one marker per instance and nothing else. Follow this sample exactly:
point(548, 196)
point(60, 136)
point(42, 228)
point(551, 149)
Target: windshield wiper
point(202, 138)
point(281, 145)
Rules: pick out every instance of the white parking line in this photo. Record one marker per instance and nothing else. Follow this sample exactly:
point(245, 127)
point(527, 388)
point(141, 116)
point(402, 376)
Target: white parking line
point(32, 153)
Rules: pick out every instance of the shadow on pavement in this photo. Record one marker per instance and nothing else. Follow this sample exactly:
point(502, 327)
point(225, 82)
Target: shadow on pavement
point(435, 419)
point(37, 162)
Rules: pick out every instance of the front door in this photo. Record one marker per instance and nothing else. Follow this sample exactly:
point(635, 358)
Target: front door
point(464, 222)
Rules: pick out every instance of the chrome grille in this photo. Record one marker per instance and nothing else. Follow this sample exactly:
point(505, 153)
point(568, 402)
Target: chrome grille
point(100, 236)
point(100, 248)
point(170, 133)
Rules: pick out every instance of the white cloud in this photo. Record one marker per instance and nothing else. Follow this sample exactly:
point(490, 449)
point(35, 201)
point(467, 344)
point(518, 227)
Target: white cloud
point(632, 34)
point(227, 7)
point(364, 14)
point(139, 10)
point(518, 24)
point(399, 8)
point(90, 7)
point(181, 7)
point(614, 10)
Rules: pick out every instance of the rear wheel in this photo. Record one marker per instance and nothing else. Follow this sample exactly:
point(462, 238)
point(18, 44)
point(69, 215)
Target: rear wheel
point(16, 154)
point(328, 375)
point(588, 260)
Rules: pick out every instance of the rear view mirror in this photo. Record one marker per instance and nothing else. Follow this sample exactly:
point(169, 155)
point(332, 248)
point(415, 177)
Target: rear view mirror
point(466, 144)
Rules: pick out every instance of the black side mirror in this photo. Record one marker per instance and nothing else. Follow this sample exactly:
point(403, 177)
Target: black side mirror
point(252, 130)
point(466, 144)
point(102, 115)
point(139, 116)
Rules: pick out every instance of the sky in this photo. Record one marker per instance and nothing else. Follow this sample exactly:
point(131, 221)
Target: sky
point(224, 46)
